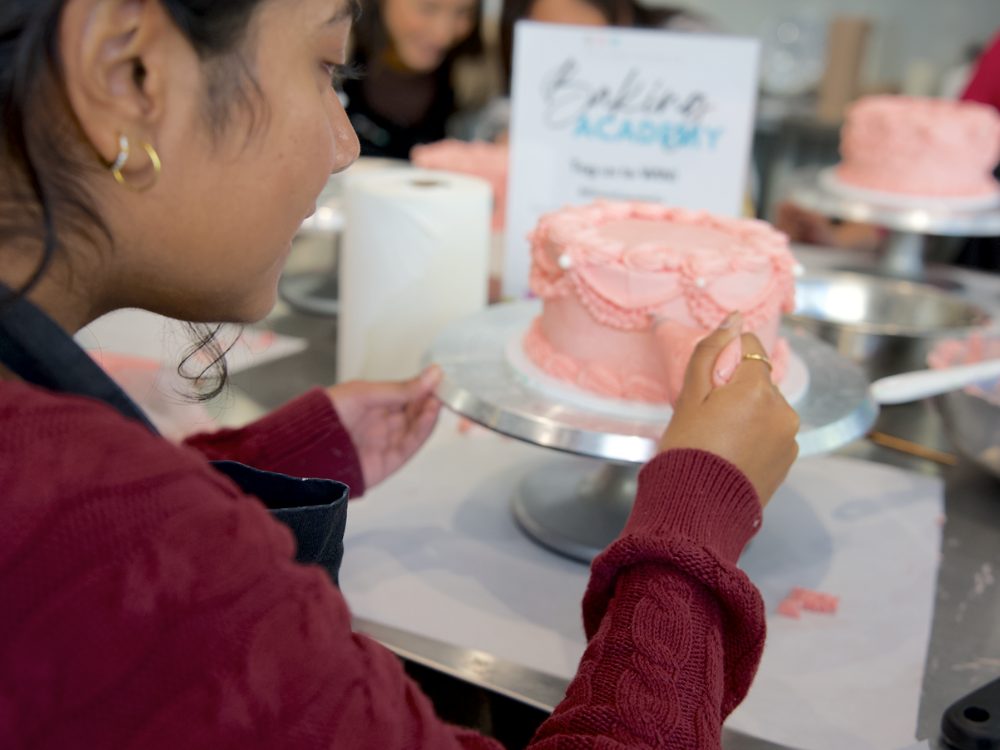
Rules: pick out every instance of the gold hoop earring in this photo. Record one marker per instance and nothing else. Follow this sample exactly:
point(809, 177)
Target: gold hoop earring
point(123, 154)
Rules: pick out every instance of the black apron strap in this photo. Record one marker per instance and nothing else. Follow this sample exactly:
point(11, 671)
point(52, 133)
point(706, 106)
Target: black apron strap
point(314, 509)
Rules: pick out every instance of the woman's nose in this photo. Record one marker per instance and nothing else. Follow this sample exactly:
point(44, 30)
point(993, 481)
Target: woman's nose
point(346, 145)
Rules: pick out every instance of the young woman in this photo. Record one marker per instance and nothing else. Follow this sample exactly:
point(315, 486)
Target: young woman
point(161, 154)
point(405, 50)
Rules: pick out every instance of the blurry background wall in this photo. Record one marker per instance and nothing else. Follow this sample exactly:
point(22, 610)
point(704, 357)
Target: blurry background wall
point(904, 32)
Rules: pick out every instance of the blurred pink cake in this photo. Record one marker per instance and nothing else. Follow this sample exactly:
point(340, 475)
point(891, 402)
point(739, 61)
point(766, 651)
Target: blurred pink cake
point(920, 146)
point(607, 271)
point(477, 158)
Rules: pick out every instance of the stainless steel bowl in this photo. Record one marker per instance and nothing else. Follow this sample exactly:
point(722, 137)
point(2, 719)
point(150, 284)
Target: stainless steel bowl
point(886, 326)
point(972, 424)
point(971, 416)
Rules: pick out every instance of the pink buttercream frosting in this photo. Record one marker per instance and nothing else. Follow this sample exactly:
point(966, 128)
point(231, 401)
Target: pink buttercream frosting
point(477, 158)
point(920, 146)
point(594, 376)
point(609, 270)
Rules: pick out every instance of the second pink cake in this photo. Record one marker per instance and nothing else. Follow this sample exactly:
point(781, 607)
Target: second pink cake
point(920, 146)
point(609, 271)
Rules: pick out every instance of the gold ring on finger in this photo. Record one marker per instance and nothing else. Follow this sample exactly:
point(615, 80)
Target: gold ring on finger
point(759, 358)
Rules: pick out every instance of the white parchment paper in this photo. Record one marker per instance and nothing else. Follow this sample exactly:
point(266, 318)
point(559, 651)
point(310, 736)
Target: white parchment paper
point(435, 551)
point(869, 534)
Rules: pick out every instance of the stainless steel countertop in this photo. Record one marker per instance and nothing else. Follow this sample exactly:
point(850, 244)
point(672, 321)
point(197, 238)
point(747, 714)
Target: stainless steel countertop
point(964, 651)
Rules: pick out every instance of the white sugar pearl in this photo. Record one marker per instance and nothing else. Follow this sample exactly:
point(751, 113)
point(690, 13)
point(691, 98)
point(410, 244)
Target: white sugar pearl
point(798, 270)
point(700, 283)
point(565, 262)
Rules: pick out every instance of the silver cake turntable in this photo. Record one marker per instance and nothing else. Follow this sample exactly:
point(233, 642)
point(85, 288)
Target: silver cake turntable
point(907, 222)
point(579, 507)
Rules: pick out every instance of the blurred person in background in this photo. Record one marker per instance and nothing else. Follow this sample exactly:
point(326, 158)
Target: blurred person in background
point(404, 53)
point(495, 117)
point(627, 13)
point(984, 87)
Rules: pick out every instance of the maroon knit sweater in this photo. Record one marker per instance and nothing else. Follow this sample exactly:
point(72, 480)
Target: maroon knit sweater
point(146, 603)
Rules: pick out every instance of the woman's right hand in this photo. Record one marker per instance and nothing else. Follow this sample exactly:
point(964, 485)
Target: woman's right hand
point(747, 421)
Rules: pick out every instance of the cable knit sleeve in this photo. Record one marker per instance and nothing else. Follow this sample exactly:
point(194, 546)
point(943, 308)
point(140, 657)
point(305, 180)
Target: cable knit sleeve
point(304, 438)
point(149, 604)
point(675, 631)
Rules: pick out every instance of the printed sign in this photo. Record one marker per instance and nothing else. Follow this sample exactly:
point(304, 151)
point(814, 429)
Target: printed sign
point(631, 114)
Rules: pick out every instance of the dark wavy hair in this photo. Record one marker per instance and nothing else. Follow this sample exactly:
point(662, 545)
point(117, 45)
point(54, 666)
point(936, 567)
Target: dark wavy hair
point(38, 131)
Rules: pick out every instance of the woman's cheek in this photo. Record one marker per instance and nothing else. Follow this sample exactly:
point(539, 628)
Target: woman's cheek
point(314, 158)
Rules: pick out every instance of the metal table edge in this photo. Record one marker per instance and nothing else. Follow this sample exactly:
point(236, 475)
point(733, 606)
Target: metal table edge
point(515, 681)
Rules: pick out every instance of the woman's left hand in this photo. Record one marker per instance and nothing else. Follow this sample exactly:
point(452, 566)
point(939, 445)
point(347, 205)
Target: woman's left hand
point(388, 422)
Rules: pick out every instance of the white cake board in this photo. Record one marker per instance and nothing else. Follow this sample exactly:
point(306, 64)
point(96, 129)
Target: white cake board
point(829, 181)
point(793, 388)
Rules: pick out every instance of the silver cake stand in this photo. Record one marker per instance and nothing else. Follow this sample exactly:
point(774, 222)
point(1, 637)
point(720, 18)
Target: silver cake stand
point(578, 507)
point(903, 256)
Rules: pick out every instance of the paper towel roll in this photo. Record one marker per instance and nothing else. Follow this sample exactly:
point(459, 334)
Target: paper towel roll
point(414, 257)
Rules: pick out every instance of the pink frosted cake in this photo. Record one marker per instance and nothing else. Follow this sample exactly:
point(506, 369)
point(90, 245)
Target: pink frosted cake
point(920, 146)
point(608, 271)
point(477, 158)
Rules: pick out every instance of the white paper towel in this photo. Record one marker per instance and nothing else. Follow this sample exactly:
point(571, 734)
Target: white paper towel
point(415, 256)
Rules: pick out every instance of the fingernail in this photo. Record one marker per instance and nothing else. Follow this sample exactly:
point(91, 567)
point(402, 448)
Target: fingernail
point(432, 375)
point(730, 320)
point(727, 362)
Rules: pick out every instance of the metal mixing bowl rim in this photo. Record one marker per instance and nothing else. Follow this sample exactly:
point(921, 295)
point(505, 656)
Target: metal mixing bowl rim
point(981, 321)
point(984, 323)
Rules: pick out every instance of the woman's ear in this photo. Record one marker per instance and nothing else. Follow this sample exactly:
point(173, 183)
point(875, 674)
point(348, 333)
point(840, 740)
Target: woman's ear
point(116, 57)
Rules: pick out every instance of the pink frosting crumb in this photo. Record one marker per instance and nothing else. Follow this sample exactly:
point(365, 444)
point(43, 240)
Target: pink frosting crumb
point(802, 598)
point(790, 608)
